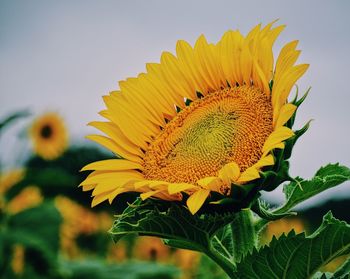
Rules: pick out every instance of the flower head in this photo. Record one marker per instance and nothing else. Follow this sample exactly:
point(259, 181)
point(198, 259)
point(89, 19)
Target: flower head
point(200, 122)
point(49, 136)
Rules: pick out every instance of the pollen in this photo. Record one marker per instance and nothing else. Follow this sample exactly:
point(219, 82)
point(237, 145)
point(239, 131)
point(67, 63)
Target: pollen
point(229, 125)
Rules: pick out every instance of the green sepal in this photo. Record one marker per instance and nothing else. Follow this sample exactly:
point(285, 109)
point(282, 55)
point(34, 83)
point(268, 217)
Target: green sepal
point(297, 102)
point(271, 179)
point(240, 197)
point(289, 144)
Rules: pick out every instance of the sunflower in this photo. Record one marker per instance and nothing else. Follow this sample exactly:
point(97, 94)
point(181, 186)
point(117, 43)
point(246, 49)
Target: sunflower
point(199, 122)
point(49, 136)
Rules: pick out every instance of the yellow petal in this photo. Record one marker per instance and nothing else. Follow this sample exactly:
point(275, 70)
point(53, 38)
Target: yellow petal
point(143, 183)
point(115, 193)
point(114, 132)
point(112, 185)
point(229, 173)
point(149, 194)
point(88, 187)
point(285, 114)
point(98, 199)
point(185, 54)
point(212, 183)
point(175, 188)
point(142, 100)
point(176, 79)
point(197, 199)
point(285, 51)
point(159, 185)
point(276, 137)
point(208, 64)
point(111, 177)
point(114, 147)
point(129, 128)
point(265, 161)
point(248, 175)
point(112, 164)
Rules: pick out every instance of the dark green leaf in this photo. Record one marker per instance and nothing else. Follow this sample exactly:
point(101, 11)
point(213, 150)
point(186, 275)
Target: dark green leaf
point(176, 224)
point(262, 210)
point(325, 178)
point(222, 242)
point(298, 256)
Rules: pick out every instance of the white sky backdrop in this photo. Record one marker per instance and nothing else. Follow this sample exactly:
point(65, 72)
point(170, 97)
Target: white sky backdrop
point(64, 55)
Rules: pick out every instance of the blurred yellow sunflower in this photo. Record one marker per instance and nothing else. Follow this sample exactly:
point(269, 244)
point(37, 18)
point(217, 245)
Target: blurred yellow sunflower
point(49, 136)
point(199, 121)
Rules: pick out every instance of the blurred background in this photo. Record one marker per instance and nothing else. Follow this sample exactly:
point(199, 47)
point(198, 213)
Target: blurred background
point(62, 56)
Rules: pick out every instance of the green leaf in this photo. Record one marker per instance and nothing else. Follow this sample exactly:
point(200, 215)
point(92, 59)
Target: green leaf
point(301, 190)
point(222, 242)
point(176, 224)
point(262, 210)
point(298, 256)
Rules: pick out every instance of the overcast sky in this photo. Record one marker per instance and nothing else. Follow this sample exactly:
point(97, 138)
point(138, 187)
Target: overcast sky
point(64, 55)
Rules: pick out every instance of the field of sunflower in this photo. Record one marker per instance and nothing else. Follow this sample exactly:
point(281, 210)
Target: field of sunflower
point(175, 187)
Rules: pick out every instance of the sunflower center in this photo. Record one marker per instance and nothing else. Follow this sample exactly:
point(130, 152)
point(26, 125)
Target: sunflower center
point(46, 131)
point(229, 125)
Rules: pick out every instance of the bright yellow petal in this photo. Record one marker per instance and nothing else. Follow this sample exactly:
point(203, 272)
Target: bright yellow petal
point(149, 194)
point(114, 147)
point(212, 183)
point(197, 199)
point(88, 187)
point(229, 173)
point(248, 175)
point(176, 79)
point(111, 176)
point(112, 164)
point(142, 100)
point(285, 114)
point(185, 54)
point(265, 161)
point(175, 188)
point(208, 64)
point(115, 193)
point(98, 199)
point(114, 132)
point(108, 186)
point(276, 137)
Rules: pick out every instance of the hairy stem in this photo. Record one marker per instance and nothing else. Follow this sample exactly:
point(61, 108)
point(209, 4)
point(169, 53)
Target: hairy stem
point(228, 266)
point(243, 234)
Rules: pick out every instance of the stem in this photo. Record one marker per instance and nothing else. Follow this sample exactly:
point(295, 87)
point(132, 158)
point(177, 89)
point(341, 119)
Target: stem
point(222, 261)
point(243, 234)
